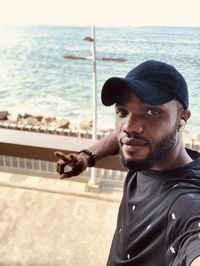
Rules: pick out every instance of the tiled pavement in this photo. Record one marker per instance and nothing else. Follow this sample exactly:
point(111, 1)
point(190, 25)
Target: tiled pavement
point(52, 222)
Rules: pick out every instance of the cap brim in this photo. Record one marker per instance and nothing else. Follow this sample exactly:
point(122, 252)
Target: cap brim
point(147, 92)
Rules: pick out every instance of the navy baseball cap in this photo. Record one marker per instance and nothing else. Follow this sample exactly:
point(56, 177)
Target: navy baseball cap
point(154, 82)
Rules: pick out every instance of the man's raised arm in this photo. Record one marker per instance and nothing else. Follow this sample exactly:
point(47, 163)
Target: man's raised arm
point(78, 162)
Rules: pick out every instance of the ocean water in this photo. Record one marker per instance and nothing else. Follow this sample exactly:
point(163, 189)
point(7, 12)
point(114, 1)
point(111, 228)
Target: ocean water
point(35, 78)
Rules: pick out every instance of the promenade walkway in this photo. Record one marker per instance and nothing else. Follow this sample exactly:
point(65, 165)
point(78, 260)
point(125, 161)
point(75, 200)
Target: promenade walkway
point(52, 222)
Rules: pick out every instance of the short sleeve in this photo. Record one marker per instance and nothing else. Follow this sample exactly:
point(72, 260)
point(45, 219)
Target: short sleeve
point(183, 230)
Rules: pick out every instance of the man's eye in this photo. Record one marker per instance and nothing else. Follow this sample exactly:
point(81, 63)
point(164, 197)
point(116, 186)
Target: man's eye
point(121, 112)
point(152, 112)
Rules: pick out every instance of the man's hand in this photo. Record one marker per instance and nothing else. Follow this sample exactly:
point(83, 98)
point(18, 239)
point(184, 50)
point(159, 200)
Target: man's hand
point(77, 162)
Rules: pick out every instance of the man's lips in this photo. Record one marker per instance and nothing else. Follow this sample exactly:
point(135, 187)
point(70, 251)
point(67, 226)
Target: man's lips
point(133, 141)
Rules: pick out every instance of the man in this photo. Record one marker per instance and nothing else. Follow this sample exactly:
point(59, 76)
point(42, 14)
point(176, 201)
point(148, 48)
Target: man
point(159, 215)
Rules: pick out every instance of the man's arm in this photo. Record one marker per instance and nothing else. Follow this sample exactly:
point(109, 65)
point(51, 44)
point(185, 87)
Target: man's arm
point(185, 226)
point(196, 262)
point(106, 146)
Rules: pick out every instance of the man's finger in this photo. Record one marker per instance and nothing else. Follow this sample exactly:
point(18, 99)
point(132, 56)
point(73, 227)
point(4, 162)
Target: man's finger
point(60, 165)
point(70, 174)
point(62, 168)
point(61, 156)
point(67, 175)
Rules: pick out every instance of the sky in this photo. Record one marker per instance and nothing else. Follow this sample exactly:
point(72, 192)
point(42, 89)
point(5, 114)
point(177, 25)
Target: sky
point(101, 12)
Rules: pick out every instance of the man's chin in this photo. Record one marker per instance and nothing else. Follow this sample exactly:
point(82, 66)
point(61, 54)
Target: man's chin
point(137, 164)
point(138, 157)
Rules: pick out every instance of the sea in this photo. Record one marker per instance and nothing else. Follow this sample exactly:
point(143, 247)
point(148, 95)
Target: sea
point(35, 77)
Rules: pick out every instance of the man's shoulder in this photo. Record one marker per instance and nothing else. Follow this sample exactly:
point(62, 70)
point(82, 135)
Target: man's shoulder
point(186, 204)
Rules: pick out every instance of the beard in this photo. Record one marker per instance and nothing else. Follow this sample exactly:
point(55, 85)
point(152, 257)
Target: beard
point(155, 155)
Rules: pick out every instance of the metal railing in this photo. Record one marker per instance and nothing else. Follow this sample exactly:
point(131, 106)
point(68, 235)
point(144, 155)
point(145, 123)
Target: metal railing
point(33, 153)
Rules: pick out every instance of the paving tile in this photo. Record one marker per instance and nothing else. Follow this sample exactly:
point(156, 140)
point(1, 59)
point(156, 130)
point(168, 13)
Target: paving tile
point(39, 228)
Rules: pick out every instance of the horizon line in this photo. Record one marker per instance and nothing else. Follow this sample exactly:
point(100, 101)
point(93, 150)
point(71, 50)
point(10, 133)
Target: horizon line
point(96, 26)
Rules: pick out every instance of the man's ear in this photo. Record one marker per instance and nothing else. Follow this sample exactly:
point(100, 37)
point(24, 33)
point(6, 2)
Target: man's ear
point(186, 115)
point(183, 117)
point(181, 125)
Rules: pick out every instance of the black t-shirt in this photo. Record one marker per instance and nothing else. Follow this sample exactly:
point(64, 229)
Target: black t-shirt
point(159, 218)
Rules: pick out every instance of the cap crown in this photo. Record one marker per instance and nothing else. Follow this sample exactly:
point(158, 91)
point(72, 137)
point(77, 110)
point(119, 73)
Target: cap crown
point(163, 76)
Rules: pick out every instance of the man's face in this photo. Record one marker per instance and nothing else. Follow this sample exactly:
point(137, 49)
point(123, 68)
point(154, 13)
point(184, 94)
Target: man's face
point(146, 133)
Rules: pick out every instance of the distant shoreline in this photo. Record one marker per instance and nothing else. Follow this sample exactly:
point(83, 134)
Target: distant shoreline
point(52, 125)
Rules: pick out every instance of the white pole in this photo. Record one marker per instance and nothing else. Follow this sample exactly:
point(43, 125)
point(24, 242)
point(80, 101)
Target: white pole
point(94, 93)
point(94, 129)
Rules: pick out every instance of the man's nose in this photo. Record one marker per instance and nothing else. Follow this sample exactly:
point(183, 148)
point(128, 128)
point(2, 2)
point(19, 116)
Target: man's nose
point(133, 125)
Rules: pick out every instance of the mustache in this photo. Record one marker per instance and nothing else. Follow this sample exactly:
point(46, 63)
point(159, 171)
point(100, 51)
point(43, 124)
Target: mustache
point(132, 138)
